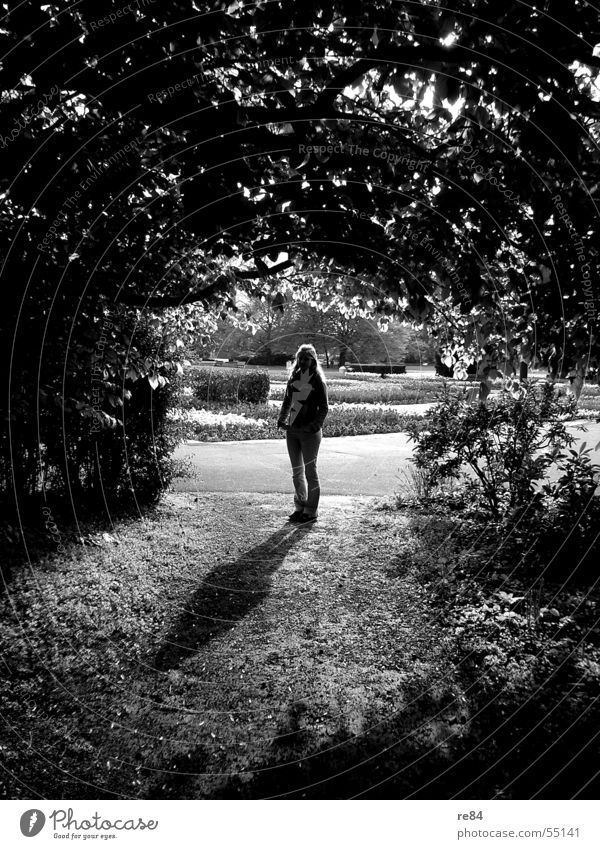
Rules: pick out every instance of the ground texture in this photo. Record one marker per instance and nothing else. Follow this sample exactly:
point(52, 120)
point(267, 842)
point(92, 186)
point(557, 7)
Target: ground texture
point(214, 650)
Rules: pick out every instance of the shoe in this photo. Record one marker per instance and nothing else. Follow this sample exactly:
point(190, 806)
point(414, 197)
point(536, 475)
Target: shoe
point(305, 520)
point(296, 516)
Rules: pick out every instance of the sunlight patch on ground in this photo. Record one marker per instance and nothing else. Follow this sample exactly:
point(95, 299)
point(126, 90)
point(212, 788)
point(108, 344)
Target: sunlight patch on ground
point(207, 417)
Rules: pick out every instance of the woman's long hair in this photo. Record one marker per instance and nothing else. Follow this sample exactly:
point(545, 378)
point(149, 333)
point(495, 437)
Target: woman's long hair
point(314, 367)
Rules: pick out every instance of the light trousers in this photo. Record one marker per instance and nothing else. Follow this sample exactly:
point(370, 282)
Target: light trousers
point(303, 449)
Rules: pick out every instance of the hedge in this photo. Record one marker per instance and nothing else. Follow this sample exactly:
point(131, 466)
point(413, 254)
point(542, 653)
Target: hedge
point(222, 384)
point(340, 421)
point(56, 450)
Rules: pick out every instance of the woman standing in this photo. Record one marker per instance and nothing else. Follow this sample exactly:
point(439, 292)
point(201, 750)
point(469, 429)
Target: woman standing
point(302, 414)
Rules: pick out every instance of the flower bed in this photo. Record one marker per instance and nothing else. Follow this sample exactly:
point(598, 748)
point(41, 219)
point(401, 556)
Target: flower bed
point(230, 423)
point(408, 392)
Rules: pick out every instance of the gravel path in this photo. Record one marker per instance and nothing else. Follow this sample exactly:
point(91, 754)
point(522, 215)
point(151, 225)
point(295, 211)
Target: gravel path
point(289, 650)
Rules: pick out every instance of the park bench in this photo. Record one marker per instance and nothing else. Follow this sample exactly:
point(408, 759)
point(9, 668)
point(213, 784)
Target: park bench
point(377, 368)
point(222, 363)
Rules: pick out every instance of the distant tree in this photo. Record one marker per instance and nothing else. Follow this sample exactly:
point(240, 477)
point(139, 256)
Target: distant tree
point(271, 326)
point(420, 347)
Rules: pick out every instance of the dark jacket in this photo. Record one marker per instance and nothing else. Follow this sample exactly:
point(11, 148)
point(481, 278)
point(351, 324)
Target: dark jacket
point(305, 403)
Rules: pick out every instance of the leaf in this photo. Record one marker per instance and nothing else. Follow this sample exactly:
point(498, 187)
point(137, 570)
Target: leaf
point(110, 538)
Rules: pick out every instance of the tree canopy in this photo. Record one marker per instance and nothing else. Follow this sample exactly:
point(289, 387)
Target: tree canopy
point(434, 161)
point(419, 144)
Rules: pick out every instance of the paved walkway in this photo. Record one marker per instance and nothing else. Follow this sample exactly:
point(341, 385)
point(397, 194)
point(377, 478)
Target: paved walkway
point(348, 465)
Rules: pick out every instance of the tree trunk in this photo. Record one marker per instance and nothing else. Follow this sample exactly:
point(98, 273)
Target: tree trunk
point(577, 383)
point(484, 389)
point(343, 355)
point(485, 383)
point(524, 356)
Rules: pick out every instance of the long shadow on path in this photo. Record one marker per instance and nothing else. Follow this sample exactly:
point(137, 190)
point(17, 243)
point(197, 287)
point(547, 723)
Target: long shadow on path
point(227, 595)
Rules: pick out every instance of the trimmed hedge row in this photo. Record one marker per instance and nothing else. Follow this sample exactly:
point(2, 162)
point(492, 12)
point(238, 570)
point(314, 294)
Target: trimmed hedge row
point(340, 421)
point(413, 392)
point(234, 385)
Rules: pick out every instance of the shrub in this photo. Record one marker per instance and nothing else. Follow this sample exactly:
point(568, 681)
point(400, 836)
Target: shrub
point(358, 421)
point(89, 424)
point(573, 493)
point(101, 431)
point(590, 398)
point(570, 518)
point(124, 450)
point(508, 443)
point(417, 490)
point(408, 392)
point(136, 460)
point(340, 421)
point(272, 360)
point(222, 384)
point(527, 653)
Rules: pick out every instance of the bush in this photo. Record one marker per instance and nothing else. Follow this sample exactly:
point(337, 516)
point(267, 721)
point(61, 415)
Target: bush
point(124, 449)
point(570, 516)
point(527, 653)
point(409, 392)
point(136, 460)
point(508, 443)
point(573, 493)
point(360, 421)
point(94, 429)
point(222, 384)
point(534, 686)
point(340, 421)
point(273, 360)
point(382, 369)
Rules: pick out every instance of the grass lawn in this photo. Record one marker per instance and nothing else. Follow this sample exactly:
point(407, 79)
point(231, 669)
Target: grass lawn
point(210, 650)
